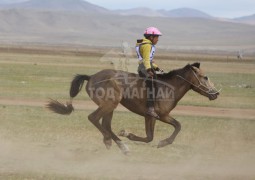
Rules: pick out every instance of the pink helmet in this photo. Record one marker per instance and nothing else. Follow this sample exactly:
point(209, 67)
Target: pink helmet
point(152, 31)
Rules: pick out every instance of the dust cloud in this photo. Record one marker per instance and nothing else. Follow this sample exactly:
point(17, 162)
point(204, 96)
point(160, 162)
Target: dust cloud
point(72, 160)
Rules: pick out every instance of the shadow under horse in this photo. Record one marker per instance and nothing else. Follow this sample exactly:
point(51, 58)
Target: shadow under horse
point(108, 88)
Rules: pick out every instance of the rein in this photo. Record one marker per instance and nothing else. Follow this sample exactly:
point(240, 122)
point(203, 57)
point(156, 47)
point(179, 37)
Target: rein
point(200, 84)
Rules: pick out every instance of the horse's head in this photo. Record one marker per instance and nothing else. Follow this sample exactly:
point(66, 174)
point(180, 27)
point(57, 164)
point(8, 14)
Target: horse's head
point(201, 83)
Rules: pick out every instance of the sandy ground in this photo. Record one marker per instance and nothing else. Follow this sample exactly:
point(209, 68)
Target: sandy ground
point(70, 159)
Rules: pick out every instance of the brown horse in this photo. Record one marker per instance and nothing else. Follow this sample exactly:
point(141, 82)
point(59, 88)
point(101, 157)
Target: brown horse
point(108, 88)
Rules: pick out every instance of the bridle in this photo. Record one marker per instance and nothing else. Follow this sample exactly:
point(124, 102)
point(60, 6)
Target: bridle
point(200, 84)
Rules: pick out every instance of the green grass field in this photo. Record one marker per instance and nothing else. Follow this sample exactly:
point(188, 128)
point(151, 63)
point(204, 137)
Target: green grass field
point(37, 144)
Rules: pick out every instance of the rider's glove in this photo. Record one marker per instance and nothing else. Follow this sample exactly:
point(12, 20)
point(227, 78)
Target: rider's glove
point(150, 72)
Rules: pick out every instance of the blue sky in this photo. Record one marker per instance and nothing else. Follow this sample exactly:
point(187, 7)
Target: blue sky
point(218, 8)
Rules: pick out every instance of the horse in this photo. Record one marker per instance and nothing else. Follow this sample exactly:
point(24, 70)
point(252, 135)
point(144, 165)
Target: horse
point(109, 87)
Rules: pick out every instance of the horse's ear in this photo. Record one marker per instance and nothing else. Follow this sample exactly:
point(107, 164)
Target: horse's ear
point(197, 65)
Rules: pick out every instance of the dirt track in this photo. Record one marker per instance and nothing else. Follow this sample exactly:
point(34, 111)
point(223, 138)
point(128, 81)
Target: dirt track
point(69, 158)
point(179, 110)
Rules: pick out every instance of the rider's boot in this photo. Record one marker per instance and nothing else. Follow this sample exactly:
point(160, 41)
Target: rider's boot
point(151, 112)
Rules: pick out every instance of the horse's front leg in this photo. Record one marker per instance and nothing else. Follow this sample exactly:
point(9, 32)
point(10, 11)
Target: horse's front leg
point(176, 125)
point(149, 128)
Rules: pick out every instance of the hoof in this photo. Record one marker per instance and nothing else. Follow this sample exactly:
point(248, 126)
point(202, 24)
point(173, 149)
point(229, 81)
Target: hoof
point(108, 143)
point(123, 147)
point(163, 143)
point(123, 133)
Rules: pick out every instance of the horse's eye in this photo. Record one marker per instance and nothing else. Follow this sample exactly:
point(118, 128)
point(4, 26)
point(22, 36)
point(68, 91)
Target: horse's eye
point(206, 78)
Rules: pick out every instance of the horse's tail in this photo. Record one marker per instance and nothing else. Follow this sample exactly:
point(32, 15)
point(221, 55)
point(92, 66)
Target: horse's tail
point(77, 84)
point(75, 88)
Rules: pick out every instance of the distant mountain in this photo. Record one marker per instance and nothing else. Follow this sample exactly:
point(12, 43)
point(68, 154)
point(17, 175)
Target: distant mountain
point(246, 19)
point(102, 29)
point(59, 5)
point(140, 12)
point(84, 6)
point(79, 22)
point(181, 12)
point(185, 12)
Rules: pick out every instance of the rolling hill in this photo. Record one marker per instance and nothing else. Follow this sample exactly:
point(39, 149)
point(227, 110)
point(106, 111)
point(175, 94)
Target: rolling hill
point(246, 19)
point(56, 22)
point(57, 5)
point(139, 12)
point(186, 12)
point(180, 13)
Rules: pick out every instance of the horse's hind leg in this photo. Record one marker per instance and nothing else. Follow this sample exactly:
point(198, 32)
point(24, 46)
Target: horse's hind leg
point(106, 123)
point(94, 119)
point(149, 128)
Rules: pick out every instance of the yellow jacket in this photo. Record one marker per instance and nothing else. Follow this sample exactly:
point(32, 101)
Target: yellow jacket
point(145, 52)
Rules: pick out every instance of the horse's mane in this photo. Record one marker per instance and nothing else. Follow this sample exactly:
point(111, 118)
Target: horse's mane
point(180, 71)
point(174, 72)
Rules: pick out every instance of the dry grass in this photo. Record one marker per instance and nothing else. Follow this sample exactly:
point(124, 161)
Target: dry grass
point(36, 144)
